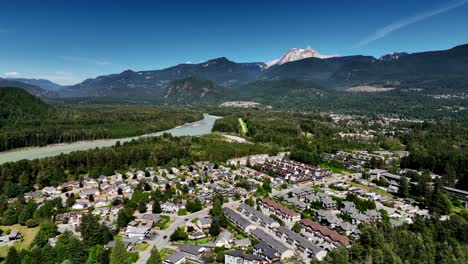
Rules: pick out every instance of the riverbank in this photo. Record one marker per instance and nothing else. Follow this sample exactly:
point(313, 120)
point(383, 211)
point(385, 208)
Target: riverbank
point(198, 128)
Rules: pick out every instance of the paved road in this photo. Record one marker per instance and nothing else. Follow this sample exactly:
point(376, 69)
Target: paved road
point(159, 240)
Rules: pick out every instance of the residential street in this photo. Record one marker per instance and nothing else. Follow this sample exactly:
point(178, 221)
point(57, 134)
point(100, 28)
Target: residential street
point(159, 240)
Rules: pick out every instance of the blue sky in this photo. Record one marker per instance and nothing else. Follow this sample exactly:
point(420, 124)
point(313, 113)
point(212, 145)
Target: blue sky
point(69, 41)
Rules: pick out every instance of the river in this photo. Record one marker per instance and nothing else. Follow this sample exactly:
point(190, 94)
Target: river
point(198, 128)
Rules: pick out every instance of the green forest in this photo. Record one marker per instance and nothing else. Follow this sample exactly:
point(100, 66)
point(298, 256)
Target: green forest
point(31, 122)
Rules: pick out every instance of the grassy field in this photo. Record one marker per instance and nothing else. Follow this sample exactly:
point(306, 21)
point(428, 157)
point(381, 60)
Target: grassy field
point(243, 127)
point(164, 223)
point(166, 252)
point(371, 189)
point(198, 241)
point(28, 236)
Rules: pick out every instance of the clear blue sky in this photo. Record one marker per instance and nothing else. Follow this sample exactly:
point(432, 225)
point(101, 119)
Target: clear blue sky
point(68, 42)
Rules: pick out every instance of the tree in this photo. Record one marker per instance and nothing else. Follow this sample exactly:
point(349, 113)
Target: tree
point(142, 207)
point(155, 257)
point(250, 202)
point(215, 228)
point(124, 217)
point(194, 205)
point(296, 227)
point(439, 204)
point(119, 254)
point(93, 232)
point(266, 185)
point(70, 200)
point(12, 257)
point(403, 191)
point(95, 255)
point(179, 234)
point(156, 207)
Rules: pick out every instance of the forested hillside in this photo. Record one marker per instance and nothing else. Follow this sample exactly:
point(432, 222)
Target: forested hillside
point(17, 104)
point(27, 121)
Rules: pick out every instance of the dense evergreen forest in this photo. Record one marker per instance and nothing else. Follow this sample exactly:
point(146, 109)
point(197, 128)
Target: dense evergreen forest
point(30, 122)
point(424, 241)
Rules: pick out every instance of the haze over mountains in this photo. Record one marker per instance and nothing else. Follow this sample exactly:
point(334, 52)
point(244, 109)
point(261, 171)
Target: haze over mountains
point(447, 69)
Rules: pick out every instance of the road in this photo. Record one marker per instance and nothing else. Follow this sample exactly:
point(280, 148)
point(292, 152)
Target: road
point(159, 240)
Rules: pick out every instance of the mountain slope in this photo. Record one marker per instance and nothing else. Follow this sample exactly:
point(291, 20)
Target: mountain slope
point(16, 103)
point(42, 83)
point(32, 89)
point(221, 71)
point(434, 69)
point(193, 91)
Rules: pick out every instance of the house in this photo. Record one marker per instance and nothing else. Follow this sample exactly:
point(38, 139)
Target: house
point(73, 218)
point(100, 203)
point(197, 235)
point(88, 192)
point(267, 252)
point(169, 208)
point(128, 242)
point(139, 231)
point(14, 235)
point(242, 243)
point(51, 191)
point(278, 246)
point(300, 243)
point(192, 251)
point(71, 185)
point(80, 205)
point(237, 219)
point(204, 223)
point(224, 239)
point(153, 217)
point(316, 229)
point(239, 257)
point(279, 210)
point(256, 216)
point(175, 258)
point(90, 182)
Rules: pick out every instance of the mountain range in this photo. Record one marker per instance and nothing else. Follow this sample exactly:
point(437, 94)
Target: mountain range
point(446, 69)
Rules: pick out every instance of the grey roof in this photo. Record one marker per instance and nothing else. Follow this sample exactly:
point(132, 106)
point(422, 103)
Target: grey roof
point(256, 213)
point(270, 241)
point(236, 218)
point(175, 257)
point(205, 221)
point(192, 249)
point(299, 239)
point(267, 251)
point(240, 254)
point(242, 242)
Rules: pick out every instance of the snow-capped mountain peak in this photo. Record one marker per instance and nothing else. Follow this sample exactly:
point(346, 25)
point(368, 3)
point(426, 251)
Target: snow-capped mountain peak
point(295, 54)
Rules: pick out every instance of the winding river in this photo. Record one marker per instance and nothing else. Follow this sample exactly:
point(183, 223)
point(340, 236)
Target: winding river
point(198, 128)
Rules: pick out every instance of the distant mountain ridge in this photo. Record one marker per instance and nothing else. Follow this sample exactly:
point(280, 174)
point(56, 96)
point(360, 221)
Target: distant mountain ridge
point(42, 83)
point(433, 69)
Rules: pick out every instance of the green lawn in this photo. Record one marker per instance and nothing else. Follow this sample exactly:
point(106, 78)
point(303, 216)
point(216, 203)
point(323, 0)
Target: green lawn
point(371, 189)
point(141, 246)
point(198, 241)
point(28, 236)
point(163, 224)
point(182, 211)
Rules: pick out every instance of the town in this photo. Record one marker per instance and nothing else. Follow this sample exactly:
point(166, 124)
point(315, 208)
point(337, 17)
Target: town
point(254, 209)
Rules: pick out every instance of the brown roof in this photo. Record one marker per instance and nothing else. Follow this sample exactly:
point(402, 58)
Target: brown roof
point(283, 209)
point(325, 231)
